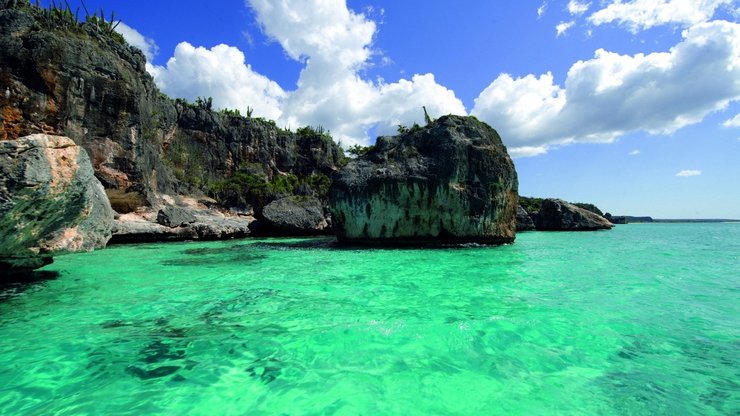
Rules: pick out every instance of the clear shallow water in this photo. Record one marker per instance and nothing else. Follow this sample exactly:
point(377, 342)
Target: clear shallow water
point(644, 319)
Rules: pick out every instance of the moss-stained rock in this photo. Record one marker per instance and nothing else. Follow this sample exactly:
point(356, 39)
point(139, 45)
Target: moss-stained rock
point(449, 182)
point(50, 202)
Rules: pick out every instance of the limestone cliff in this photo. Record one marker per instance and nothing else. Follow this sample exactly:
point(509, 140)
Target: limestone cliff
point(449, 182)
point(79, 81)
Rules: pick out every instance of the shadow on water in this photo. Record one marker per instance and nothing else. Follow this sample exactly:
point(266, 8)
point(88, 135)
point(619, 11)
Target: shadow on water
point(332, 244)
point(16, 284)
point(215, 256)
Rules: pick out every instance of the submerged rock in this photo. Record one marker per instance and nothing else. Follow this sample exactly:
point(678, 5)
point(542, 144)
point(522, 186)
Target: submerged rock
point(523, 220)
point(449, 182)
point(558, 215)
point(50, 202)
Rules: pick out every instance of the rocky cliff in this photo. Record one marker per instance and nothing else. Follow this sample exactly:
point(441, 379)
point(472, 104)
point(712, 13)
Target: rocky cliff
point(50, 202)
point(558, 215)
point(449, 182)
point(81, 81)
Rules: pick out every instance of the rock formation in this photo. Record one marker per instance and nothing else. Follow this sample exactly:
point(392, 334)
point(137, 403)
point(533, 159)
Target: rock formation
point(523, 220)
point(76, 80)
point(293, 216)
point(558, 215)
point(50, 202)
point(449, 182)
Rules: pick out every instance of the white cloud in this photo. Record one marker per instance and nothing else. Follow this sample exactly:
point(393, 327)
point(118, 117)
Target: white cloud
point(612, 94)
point(541, 10)
point(689, 172)
point(733, 122)
point(577, 8)
point(221, 73)
point(639, 15)
point(634, 152)
point(134, 38)
point(527, 151)
point(335, 44)
point(563, 27)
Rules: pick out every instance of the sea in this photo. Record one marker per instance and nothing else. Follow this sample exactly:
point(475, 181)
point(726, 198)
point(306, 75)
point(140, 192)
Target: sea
point(640, 320)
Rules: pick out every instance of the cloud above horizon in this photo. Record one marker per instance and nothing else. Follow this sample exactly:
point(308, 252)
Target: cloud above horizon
point(612, 94)
point(601, 98)
point(222, 73)
point(577, 8)
point(688, 173)
point(733, 122)
point(637, 15)
point(134, 38)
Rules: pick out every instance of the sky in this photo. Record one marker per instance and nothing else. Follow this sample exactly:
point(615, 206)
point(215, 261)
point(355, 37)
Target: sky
point(633, 105)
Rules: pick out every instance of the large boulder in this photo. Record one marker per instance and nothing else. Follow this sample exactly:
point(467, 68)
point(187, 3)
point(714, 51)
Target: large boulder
point(50, 202)
point(449, 182)
point(523, 220)
point(174, 217)
point(293, 215)
point(558, 215)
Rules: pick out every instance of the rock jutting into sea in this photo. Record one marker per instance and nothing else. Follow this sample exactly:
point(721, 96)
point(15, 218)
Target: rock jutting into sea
point(558, 215)
point(449, 182)
point(50, 202)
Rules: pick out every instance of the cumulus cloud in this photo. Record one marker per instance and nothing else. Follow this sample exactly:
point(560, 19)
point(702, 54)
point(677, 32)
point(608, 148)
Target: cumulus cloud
point(612, 94)
point(134, 38)
point(639, 15)
point(222, 73)
point(563, 27)
point(577, 8)
point(689, 172)
point(335, 44)
point(733, 122)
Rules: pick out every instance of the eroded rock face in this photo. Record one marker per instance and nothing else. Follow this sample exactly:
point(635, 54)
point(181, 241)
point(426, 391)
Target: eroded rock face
point(449, 182)
point(50, 202)
point(558, 215)
point(293, 216)
point(95, 90)
point(523, 220)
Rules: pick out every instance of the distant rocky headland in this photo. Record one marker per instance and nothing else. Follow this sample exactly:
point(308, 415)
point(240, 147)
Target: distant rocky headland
point(92, 152)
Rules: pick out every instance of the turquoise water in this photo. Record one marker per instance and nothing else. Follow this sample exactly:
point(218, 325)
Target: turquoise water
point(640, 320)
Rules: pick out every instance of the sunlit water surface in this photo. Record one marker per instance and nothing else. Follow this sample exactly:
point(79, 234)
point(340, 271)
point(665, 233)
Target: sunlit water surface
point(640, 320)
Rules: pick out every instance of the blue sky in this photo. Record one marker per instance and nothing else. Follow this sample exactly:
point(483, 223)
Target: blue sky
point(633, 105)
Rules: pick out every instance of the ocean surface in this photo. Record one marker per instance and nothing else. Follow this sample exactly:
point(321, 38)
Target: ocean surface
point(640, 320)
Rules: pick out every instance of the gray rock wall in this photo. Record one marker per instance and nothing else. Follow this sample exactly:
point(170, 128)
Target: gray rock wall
point(450, 182)
point(50, 202)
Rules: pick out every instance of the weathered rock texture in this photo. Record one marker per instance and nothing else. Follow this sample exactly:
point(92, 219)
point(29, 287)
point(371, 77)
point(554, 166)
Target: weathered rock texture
point(523, 220)
point(174, 217)
point(293, 216)
point(449, 182)
point(50, 202)
point(558, 215)
point(92, 87)
point(207, 225)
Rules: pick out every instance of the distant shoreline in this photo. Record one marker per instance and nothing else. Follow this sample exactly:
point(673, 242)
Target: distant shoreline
point(699, 220)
